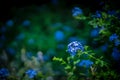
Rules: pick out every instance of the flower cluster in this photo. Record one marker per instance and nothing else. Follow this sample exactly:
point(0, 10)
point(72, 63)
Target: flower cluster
point(76, 11)
point(31, 73)
point(86, 63)
point(74, 46)
point(4, 72)
point(114, 37)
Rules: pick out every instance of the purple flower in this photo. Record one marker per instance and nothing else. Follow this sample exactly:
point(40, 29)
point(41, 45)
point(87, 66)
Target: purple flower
point(86, 63)
point(31, 73)
point(77, 11)
point(113, 37)
point(73, 47)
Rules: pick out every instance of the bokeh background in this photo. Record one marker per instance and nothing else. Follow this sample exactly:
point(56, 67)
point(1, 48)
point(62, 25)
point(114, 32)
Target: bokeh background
point(33, 32)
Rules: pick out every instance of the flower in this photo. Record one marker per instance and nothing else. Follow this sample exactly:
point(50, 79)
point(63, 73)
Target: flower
point(117, 42)
point(94, 32)
point(31, 73)
point(10, 23)
point(76, 11)
point(26, 23)
point(86, 63)
point(4, 72)
point(59, 35)
point(116, 54)
point(74, 46)
point(113, 37)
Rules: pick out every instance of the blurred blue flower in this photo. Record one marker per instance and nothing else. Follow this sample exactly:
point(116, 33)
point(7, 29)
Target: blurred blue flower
point(21, 36)
point(4, 72)
point(59, 35)
point(112, 12)
point(2, 37)
point(94, 32)
point(76, 11)
point(97, 14)
point(31, 41)
point(86, 63)
point(104, 47)
point(67, 29)
point(117, 42)
point(73, 47)
point(116, 54)
point(113, 37)
point(3, 29)
point(10, 23)
point(26, 23)
point(10, 50)
point(31, 73)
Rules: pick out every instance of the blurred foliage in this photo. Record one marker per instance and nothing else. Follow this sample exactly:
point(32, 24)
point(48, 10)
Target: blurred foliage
point(34, 42)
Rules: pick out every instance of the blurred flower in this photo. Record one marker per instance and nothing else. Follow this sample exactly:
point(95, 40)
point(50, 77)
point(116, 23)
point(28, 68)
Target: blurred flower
point(86, 63)
point(26, 23)
point(4, 72)
point(73, 47)
point(21, 36)
point(10, 50)
point(31, 41)
point(3, 29)
point(10, 23)
point(67, 29)
point(31, 73)
point(59, 35)
point(113, 37)
point(116, 54)
point(117, 42)
point(97, 14)
point(71, 39)
point(112, 12)
point(76, 11)
point(104, 47)
point(94, 32)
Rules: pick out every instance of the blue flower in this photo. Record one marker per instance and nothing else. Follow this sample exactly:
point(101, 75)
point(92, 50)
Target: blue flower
point(97, 14)
point(86, 63)
point(104, 47)
point(112, 12)
point(31, 41)
point(94, 32)
point(11, 50)
point(21, 36)
point(26, 23)
point(113, 37)
point(10, 23)
point(117, 42)
point(77, 11)
point(73, 47)
point(116, 54)
point(31, 73)
point(4, 72)
point(59, 35)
